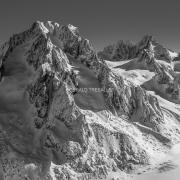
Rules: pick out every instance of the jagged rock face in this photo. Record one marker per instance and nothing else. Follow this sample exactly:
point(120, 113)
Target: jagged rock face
point(45, 132)
point(120, 51)
point(50, 79)
point(160, 52)
point(126, 50)
point(107, 52)
point(166, 79)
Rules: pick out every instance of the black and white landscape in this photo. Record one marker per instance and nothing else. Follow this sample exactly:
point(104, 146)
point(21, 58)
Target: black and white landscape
point(70, 111)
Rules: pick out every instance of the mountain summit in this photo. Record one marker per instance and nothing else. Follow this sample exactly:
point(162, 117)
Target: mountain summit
point(129, 50)
point(68, 114)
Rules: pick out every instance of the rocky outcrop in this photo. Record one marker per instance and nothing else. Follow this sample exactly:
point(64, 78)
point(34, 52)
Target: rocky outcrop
point(166, 79)
point(160, 52)
point(122, 50)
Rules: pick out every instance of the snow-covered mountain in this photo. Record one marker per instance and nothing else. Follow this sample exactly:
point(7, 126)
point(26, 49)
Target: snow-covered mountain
point(124, 50)
point(66, 114)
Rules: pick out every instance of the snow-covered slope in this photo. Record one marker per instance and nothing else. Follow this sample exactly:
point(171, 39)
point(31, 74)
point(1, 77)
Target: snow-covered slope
point(66, 114)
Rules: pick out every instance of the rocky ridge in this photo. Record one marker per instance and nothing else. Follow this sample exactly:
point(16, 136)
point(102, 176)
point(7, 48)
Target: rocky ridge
point(124, 50)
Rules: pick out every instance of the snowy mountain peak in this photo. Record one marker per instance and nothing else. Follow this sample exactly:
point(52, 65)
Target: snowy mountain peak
point(68, 114)
point(124, 50)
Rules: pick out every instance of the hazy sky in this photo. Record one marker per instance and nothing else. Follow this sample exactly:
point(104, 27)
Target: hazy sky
point(101, 21)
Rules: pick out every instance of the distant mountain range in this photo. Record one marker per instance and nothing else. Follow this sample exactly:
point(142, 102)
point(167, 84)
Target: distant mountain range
point(129, 50)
